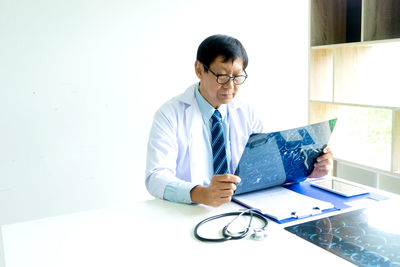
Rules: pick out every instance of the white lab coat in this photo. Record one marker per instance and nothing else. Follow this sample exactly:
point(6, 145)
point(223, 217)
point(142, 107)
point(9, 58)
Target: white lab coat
point(176, 148)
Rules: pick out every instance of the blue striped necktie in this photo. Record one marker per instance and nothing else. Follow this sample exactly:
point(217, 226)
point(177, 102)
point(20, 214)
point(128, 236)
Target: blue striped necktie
point(218, 144)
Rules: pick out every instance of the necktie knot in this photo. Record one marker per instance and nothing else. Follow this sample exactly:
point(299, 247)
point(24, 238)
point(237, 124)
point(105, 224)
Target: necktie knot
point(216, 116)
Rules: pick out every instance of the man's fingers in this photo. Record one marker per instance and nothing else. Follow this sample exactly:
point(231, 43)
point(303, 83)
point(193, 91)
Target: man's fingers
point(222, 188)
point(325, 156)
point(226, 193)
point(225, 182)
point(226, 178)
point(323, 164)
point(327, 149)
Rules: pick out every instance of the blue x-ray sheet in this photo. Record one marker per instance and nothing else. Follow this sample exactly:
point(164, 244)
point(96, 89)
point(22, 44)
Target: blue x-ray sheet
point(271, 159)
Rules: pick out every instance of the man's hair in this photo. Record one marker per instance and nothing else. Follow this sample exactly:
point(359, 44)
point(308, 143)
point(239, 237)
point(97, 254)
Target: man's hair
point(221, 45)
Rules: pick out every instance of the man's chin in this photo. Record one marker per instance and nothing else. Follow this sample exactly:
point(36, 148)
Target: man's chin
point(226, 100)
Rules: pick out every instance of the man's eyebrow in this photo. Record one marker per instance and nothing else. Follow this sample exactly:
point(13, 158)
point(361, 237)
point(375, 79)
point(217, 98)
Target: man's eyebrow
point(222, 68)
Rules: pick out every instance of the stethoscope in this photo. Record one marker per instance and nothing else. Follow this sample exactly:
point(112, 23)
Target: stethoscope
point(258, 234)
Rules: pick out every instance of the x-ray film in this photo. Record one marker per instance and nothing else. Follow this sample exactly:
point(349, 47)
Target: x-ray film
point(271, 159)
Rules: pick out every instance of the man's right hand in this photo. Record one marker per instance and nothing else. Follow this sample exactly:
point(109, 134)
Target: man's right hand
point(219, 191)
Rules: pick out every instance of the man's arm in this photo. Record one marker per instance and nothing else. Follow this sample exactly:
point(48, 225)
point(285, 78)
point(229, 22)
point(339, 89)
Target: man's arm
point(162, 153)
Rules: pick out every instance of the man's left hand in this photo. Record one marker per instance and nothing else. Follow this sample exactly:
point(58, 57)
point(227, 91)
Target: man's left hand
point(323, 164)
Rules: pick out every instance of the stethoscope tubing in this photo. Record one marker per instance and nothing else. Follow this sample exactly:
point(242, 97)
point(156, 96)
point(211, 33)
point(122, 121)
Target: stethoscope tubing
point(226, 235)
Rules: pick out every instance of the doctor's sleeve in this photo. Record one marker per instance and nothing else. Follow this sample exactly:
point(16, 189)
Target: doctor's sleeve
point(162, 153)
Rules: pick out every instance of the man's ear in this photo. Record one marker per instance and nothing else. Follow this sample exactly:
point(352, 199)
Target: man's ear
point(199, 69)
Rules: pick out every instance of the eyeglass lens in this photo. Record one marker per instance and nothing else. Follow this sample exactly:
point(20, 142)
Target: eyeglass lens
point(222, 79)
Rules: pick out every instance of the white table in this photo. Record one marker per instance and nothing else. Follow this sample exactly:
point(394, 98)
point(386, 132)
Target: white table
point(149, 233)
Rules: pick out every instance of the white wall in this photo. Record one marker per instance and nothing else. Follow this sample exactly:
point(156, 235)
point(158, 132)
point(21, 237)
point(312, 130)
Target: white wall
point(81, 79)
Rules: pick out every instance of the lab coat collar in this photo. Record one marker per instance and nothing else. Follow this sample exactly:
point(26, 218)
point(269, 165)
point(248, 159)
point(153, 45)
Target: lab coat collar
point(188, 97)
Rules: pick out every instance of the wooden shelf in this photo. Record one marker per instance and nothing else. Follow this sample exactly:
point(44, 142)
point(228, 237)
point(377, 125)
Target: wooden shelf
point(321, 78)
point(322, 112)
point(352, 104)
point(381, 19)
point(361, 75)
point(396, 142)
point(353, 44)
point(348, 21)
point(354, 63)
point(335, 21)
point(367, 75)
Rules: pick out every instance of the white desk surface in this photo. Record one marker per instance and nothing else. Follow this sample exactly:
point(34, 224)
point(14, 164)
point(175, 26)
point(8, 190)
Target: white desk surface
point(149, 233)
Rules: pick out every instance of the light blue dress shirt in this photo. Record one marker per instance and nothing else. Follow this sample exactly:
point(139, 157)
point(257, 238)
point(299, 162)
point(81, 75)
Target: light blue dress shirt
point(180, 191)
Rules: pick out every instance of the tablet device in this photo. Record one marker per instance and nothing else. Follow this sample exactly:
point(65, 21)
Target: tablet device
point(339, 187)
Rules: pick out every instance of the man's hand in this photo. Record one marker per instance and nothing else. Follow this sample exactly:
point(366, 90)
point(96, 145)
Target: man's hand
point(323, 164)
point(219, 191)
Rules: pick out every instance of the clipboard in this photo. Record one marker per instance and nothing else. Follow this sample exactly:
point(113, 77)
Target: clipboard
point(282, 204)
point(306, 198)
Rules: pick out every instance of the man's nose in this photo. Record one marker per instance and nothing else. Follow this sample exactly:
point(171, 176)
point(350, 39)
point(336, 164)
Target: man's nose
point(229, 84)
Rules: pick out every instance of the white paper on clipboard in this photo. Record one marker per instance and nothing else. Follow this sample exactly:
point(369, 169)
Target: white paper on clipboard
point(281, 203)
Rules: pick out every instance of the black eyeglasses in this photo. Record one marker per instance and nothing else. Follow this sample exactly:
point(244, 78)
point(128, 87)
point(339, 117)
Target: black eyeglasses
point(224, 78)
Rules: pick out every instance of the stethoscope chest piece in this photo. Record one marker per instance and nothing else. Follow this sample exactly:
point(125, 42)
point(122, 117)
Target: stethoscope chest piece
point(258, 234)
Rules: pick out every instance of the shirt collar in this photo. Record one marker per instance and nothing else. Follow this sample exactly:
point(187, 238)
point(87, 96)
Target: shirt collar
point(206, 109)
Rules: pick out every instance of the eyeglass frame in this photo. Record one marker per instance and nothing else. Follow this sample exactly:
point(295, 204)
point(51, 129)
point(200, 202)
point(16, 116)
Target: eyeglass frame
point(226, 75)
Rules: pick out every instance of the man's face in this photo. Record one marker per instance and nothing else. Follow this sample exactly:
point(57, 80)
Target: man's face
point(217, 94)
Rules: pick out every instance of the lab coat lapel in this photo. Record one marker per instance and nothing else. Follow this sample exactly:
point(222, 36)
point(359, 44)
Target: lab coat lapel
point(238, 135)
point(196, 142)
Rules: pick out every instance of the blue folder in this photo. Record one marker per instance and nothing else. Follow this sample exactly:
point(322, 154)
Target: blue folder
point(286, 158)
point(305, 188)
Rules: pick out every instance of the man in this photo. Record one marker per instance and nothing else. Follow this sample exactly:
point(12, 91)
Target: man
point(198, 137)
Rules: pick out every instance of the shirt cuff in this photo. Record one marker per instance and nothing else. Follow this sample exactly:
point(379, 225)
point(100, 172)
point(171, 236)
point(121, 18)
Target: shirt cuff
point(179, 192)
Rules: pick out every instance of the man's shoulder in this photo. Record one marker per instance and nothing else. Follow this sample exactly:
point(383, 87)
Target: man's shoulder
point(240, 105)
point(242, 112)
point(179, 102)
